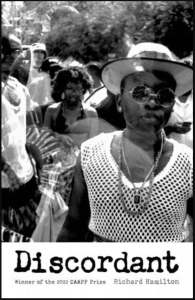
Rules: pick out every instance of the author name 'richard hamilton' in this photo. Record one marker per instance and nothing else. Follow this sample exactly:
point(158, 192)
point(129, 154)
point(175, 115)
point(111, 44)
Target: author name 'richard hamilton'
point(146, 281)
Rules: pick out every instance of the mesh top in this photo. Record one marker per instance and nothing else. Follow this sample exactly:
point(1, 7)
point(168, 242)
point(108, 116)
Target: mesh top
point(163, 220)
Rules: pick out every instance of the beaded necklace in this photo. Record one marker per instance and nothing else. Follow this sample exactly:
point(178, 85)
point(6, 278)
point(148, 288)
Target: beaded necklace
point(138, 201)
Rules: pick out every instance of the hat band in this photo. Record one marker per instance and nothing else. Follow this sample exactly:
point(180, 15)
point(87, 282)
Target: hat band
point(153, 55)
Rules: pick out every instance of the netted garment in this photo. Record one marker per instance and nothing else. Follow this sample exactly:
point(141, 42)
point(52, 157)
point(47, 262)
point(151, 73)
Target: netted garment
point(164, 219)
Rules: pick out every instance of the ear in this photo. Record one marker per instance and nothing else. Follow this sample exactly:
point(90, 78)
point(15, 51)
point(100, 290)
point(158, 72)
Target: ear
point(119, 103)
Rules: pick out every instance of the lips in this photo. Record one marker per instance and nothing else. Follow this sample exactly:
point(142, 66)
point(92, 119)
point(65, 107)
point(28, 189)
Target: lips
point(151, 117)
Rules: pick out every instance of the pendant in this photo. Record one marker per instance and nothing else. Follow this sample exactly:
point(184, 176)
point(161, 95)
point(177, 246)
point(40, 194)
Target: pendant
point(137, 198)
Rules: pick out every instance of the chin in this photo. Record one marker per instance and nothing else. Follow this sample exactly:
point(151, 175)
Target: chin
point(72, 103)
point(151, 128)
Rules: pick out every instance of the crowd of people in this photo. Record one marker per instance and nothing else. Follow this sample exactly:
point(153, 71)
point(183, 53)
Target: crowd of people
point(96, 153)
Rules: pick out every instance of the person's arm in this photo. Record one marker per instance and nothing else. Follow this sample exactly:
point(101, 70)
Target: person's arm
point(75, 227)
point(92, 115)
point(94, 126)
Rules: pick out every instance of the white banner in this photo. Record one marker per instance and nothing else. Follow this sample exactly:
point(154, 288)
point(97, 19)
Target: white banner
point(97, 270)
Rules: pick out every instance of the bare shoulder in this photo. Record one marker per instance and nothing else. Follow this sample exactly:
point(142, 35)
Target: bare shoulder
point(89, 110)
point(54, 106)
point(175, 149)
point(180, 147)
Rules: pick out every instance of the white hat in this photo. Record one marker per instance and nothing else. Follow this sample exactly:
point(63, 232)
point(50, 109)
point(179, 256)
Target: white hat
point(147, 57)
point(38, 46)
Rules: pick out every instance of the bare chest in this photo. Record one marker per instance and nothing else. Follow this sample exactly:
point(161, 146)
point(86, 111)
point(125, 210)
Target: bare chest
point(138, 162)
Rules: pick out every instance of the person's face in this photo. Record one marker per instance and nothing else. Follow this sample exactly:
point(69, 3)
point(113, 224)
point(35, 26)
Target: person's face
point(150, 116)
point(38, 57)
point(74, 93)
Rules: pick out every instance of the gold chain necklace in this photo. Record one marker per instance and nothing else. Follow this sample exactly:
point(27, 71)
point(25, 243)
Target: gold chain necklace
point(137, 198)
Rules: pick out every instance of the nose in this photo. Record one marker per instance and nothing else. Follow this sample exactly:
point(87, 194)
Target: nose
point(74, 91)
point(78, 91)
point(152, 103)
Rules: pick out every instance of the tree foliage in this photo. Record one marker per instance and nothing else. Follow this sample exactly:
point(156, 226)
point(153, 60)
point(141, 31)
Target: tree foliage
point(99, 32)
point(106, 29)
point(172, 26)
point(106, 26)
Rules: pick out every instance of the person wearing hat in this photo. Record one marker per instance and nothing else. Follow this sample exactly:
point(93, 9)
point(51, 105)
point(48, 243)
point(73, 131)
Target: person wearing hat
point(51, 66)
point(38, 54)
point(135, 185)
point(40, 87)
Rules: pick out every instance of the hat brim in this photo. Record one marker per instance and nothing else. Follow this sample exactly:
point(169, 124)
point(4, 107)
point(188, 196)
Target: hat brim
point(114, 71)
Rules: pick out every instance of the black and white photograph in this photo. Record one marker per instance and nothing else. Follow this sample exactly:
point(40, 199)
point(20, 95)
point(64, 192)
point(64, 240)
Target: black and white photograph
point(97, 147)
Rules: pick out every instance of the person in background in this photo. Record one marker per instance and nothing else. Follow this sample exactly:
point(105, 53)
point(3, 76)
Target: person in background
point(15, 91)
point(51, 66)
point(11, 48)
point(38, 54)
point(94, 69)
point(69, 116)
point(22, 154)
point(20, 177)
point(135, 185)
point(103, 101)
point(180, 128)
point(180, 125)
point(40, 87)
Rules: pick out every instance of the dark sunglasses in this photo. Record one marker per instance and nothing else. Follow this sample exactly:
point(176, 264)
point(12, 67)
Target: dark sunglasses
point(141, 94)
